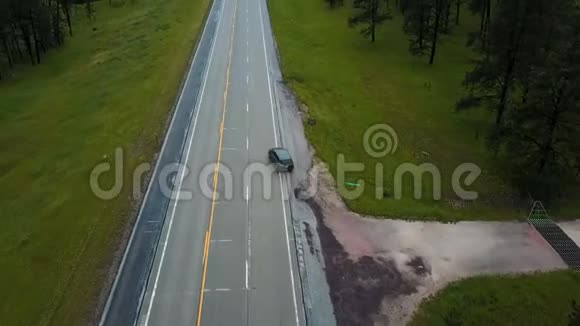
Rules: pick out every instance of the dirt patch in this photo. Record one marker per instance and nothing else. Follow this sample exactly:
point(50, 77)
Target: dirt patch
point(308, 232)
point(419, 266)
point(379, 270)
point(357, 286)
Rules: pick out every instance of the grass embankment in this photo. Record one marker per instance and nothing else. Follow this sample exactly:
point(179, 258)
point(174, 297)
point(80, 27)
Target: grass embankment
point(538, 299)
point(111, 86)
point(349, 84)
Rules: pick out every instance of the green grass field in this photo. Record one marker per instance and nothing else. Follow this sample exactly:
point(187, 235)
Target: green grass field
point(527, 300)
point(111, 86)
point(349, 84)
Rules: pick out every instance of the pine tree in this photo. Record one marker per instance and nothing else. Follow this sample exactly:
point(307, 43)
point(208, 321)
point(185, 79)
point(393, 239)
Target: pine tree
point(417, 25)
point(545, 124)
point(483, 8)
point(530, 75)
point(368, 15)
point(424, 22)
point(511, 43)
point(30, 28)
point(458, 5)
point(334, 3)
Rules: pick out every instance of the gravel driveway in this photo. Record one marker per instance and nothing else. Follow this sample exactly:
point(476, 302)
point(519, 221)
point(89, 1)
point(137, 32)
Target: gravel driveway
point(379, 270)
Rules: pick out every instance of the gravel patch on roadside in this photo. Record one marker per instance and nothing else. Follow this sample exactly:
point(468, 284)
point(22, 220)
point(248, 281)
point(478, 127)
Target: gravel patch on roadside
point(315, 290)
point(379, 270)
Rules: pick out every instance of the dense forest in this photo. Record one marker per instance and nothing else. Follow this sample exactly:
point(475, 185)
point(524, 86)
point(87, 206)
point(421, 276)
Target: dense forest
point(29, 28)
point(527, 73)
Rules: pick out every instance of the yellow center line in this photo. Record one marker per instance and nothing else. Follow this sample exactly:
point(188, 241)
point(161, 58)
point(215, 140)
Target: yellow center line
point(216, 172)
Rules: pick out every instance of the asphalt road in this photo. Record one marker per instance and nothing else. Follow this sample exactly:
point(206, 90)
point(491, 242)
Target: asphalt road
point(226, 256)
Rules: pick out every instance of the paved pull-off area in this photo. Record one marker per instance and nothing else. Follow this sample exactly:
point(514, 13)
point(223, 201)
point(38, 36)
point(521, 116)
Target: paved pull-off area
point(222, 261)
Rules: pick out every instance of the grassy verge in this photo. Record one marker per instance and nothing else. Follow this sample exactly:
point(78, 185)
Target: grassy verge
point(526, 300)
point(112, 85)
point(349, 84)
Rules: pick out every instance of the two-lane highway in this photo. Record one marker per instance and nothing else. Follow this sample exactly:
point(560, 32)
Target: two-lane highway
point(221, 259)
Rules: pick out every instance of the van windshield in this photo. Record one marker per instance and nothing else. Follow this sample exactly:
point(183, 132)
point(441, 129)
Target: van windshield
point(283, 156)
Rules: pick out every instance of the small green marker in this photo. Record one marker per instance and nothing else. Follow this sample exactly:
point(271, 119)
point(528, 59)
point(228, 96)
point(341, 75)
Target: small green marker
point(353, 184)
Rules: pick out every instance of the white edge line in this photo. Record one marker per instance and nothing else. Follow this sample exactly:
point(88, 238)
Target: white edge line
point(282, 185)
point(249, 259)
point(247, 273)
point(148, 314)
point(113, 289)
point(280, 177)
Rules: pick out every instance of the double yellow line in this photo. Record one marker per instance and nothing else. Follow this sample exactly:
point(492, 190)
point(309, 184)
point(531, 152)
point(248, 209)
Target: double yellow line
point(207, 242)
